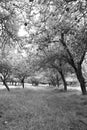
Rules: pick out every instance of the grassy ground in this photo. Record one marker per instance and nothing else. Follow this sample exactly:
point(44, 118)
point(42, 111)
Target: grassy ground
point(42, 110)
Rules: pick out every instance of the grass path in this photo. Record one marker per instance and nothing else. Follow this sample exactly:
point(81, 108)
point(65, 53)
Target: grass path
point(42, 110)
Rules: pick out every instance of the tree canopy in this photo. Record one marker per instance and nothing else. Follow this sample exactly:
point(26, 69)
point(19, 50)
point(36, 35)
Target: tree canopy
point(44, 25)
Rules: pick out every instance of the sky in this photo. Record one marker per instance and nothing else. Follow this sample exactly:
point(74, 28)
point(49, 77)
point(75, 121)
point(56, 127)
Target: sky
point(22, 32)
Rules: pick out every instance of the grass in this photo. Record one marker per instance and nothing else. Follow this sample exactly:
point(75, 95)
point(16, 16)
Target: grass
point(27, 109)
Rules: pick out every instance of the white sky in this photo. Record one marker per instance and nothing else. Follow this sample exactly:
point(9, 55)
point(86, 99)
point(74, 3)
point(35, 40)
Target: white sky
point(22, 32)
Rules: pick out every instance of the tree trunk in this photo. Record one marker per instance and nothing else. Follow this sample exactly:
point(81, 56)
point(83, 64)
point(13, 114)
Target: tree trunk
point(77, 69)
point(4, 83)
point(22, 82)
point(64, 81)
point(81, 80)
point(15, 83)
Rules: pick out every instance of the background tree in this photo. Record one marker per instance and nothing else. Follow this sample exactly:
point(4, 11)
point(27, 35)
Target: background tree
point(53, 77)
point(53, 60)
point(5, 72)
point(65, 24)
point(22, 70)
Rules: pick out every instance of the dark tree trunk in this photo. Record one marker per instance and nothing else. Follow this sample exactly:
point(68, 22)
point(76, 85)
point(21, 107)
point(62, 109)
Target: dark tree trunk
point(15, 83)
point(77, 69)
point(81, 80)
point(4, 83)
point(64, 81)
point(22, 82)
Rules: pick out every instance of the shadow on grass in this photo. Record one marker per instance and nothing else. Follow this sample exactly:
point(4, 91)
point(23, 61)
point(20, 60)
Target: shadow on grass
point(63, 91)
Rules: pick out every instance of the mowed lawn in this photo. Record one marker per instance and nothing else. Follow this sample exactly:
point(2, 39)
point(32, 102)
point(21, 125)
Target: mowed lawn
point(28, 109)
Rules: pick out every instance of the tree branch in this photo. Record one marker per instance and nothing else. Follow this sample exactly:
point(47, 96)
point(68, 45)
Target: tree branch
point(70, 59)
point(82, 58)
